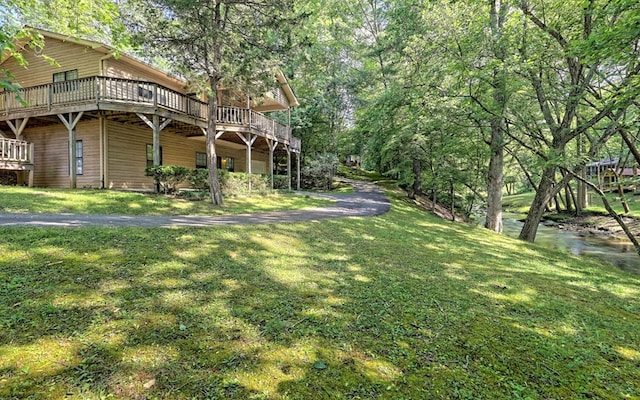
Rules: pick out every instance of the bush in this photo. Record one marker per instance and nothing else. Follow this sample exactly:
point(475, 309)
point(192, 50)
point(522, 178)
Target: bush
point(237, 183)
point(199, 179)
point(168, 177)
point(280, 182)
point(318, 173)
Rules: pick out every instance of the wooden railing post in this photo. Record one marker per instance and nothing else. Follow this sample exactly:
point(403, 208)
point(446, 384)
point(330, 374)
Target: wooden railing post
point(97, 90)
point(155, 95)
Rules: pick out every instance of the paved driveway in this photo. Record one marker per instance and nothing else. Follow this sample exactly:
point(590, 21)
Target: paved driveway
point(368, 200)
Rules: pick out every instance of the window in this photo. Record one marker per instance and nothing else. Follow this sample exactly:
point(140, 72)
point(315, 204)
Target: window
point(150, 155)
point(201, 160)
point(226, 163)
point(79, 158)
point(144, 92)
point(61, 81)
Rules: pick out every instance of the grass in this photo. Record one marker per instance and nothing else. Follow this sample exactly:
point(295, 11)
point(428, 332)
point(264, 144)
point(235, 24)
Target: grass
point(399, 306)
point(520, 203)
point(87, 201)
point(359, 173)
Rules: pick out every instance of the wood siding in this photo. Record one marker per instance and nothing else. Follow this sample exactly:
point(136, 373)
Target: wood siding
point(126, 156)
point(68, 55)
point(123, 69)
point(127, 145)
point(52, 154)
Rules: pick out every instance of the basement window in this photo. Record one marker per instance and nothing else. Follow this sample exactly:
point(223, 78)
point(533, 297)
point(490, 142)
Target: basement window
point(227, 163)
point(79, 158)
point(201, 160)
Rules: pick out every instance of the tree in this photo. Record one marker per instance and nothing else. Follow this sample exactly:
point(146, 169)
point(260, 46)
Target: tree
point(212, 42)
point(94, 19)
point(498, 14)
point(585, 49)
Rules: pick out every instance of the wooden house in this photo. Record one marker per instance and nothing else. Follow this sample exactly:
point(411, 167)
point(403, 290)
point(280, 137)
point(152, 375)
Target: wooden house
point(609, 178)
point(97, 120)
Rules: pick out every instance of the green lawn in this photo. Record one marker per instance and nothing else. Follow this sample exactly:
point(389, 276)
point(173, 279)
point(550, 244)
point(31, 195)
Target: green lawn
point(82, 201)
point(400, 306)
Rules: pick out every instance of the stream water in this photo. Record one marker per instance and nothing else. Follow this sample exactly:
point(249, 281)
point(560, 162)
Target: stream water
point(615, 251)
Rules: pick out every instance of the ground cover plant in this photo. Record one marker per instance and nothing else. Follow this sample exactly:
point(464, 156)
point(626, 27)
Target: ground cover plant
point(400, 306)
point(90, 201)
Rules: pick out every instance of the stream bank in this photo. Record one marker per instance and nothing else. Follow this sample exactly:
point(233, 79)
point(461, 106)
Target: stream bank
point(594, 224)
point(592, 235)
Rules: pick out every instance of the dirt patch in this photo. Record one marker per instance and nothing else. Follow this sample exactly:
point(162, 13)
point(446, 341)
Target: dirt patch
point(440, 211)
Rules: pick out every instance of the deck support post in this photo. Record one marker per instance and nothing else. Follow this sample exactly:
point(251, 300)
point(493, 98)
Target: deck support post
point(288, 148)
point(103, 149)
point(157, 127)
point(248, 140)
point(30, 181)
point(70, 122)
point(298, 167)
point(18, 126)
point(218, 133)
point(272, 144)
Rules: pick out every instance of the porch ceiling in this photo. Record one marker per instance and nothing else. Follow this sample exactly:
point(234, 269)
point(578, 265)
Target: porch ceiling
point(175, 127)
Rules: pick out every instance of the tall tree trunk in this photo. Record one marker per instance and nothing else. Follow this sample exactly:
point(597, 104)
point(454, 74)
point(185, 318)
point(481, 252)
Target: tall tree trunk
point(495, 178)
point(540, 201)
point(212, 156)
point(495, 183)
point(559, 203)
point(416, 187)
point(571, 198)
point(581, 200)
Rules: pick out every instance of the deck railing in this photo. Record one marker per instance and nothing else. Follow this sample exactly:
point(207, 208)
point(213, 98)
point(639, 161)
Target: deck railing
point(12, 150)
point(256, 121)
point(101, 90)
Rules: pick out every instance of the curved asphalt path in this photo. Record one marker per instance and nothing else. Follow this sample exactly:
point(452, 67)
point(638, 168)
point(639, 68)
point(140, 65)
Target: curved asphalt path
point(368, 200)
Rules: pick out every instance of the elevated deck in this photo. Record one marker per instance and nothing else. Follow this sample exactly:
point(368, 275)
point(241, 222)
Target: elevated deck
point(101, 93)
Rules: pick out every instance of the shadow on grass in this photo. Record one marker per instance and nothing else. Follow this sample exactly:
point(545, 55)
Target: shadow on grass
point(396, 306)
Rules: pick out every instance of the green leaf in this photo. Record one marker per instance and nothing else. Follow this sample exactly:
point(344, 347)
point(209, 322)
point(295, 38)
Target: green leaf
point(319, 365)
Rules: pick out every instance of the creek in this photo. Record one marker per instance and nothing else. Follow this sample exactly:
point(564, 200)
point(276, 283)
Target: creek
point(610, 249)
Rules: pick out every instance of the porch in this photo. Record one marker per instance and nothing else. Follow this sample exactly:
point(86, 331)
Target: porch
point(17, 155)
point(117, 95)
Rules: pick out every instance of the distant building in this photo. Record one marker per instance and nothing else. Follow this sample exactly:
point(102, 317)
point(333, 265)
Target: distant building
point(596, 168)
point(610, 177)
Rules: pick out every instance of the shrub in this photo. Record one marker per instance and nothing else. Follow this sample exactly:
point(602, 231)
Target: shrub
point(280, 182)
point(318, 173)
point(199, 179)
point(168, 177)
point(237, 183)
